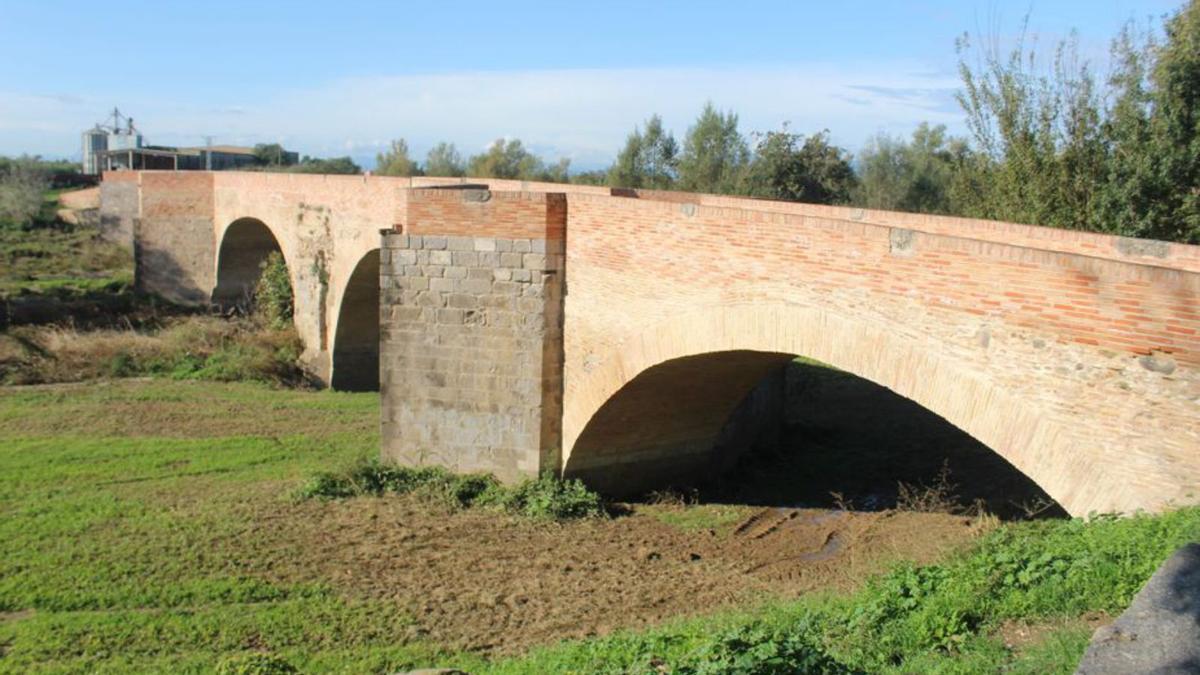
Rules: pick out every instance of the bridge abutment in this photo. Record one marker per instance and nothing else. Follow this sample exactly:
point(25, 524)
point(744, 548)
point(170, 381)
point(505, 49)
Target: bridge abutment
point(471, 339)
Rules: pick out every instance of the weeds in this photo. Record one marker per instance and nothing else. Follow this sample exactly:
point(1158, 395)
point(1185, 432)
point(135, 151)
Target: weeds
point(943, 617)
point(273, 293)
point(254, 664)
point(543, 498)
point(938, 497)
point(197, 347)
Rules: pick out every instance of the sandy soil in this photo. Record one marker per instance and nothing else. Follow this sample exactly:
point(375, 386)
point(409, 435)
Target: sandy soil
point(491, 583)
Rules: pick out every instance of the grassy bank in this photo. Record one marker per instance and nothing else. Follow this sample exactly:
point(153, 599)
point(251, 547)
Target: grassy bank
point(68, 313)
point(185, 347)
point(150, 526)
point(1023, 600)
point(53, 258)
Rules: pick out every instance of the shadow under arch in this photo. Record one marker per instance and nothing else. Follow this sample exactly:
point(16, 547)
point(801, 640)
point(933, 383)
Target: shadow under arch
point(356, 344)
point(654, 407)
point(245, 245)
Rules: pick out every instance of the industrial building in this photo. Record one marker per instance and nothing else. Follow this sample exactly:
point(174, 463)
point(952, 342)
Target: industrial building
point(119, 145)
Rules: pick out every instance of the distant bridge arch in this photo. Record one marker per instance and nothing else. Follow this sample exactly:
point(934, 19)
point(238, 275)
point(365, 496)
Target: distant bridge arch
point(356, 339)
point(245, 245)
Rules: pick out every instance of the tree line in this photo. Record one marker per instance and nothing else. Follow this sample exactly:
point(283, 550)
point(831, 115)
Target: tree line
point(1048, 142)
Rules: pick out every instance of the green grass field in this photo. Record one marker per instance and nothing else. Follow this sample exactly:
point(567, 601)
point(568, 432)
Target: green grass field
point(140, 527)
point(126, 510)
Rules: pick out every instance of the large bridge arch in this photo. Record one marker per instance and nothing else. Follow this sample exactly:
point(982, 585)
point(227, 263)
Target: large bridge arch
point(356, 338)
point(244, 246)
point(657, 403)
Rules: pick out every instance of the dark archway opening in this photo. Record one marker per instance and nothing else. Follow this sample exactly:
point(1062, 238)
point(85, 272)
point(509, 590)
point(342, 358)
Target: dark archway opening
point(356, 345)
point(766, 429)
point(245, 247)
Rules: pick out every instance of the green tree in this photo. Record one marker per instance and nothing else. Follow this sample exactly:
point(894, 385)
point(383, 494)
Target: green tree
point(915, 175)
point(714, 153)
point(648, 160)
point(395, 161)
point(502, 159)
point(1175, 128)
point(443, 160)
point(271, 154)
point(593, 177)
point(1041, 157)
point(332, 165)
point(790, 166)
point(558, 172)
point(1154, 126)
point(510, 159)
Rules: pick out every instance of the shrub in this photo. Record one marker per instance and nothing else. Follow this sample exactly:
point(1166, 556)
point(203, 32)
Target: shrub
point(759, 649)
point(545, 497)
point(254, 664)
point(273, 293)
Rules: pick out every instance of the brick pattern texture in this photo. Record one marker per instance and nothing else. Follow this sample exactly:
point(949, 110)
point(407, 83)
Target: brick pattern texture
point(530, 327)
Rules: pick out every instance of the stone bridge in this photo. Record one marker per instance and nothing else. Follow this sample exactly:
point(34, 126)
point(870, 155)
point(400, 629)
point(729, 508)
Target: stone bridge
point(610, 334)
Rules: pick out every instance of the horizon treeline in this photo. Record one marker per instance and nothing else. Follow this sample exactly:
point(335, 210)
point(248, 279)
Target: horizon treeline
point(1049, 142)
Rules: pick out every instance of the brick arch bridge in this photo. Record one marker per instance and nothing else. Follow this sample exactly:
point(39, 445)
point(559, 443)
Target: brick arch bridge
point(611, 334)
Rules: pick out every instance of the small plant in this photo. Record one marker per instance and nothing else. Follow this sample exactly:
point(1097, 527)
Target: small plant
point(254, 664)
point(545, 497)
point(760, 650)
point(940, 497)
point(273, 294)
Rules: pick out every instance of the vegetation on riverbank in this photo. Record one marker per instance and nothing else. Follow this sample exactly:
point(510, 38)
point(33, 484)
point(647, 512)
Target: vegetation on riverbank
point(152, 526)
point(1056, 577)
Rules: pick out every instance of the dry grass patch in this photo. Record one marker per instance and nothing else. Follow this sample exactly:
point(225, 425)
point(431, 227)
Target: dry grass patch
point(195, 347)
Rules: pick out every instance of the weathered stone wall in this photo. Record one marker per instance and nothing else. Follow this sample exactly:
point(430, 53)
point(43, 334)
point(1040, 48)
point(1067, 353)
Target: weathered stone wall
point(471, 332)
point(325, 226)
point(120, 203)
point(173, 236)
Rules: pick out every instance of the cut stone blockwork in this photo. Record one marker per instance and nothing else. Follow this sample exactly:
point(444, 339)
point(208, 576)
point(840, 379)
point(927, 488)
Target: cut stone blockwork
point(471, 339)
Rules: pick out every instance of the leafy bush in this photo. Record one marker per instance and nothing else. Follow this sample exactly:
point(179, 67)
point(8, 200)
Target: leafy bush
point(545, 497)
point(760, 649)
point(273, 293)
point(549, 498)
point(254, 664)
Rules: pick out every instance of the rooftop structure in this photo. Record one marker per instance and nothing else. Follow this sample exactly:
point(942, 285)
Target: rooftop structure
point(117, 144)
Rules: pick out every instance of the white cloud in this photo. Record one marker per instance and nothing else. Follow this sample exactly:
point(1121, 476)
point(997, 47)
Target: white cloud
point(582, 114)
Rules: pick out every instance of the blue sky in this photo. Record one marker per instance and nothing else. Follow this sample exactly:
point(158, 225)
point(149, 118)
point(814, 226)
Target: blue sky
point(568, 78)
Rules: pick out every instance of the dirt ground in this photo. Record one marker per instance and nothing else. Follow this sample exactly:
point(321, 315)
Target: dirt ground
point(489, 583)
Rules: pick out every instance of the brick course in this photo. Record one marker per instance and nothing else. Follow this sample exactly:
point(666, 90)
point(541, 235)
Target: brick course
point(1074, 355)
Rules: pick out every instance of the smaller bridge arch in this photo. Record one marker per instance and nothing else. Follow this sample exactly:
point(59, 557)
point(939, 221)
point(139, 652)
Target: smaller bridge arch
point(356, 342)
point(245, 245)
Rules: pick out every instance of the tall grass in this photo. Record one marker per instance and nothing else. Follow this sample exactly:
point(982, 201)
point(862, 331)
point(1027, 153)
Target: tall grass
point(195, 347)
